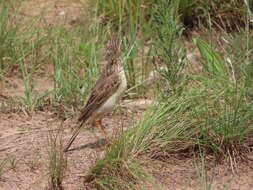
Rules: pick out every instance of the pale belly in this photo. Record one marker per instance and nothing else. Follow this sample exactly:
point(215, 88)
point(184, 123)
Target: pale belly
point(113, 100)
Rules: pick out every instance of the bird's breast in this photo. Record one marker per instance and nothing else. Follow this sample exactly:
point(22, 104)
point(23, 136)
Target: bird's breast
point(123, 84)
point(112, 101)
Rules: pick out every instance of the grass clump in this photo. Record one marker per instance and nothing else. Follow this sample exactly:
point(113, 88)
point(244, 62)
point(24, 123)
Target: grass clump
point(121, 168)
point(76, 58)
point(226, 107)
point(57, 161)
point(117, 171)
point(68, 73)
point(8, 37)
point(228, 15)
point(128, 16)
point(3, 163)
point(225, 14)
point(157, 134)
point(21, 51)
point(169, 57)
point(31, 51)
point(32, 58)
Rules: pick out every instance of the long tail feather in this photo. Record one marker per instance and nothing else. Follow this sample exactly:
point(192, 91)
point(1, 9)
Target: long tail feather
point(75, 134)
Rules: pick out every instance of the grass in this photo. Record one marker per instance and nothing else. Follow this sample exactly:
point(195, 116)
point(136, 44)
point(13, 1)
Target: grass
point(57, 163)
point(209, 111)
point(169, 57)
point(120, 168)
point(33, 49)
point(3, 163)
point(8, 38)
point(206, 181)
point(13, 163)
point(21, 48)
point(214, 113)
point(8, 163)
point(128, 18)
point(223, 14)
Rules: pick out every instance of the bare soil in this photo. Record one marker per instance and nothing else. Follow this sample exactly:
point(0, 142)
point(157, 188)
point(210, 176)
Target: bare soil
point(24, 147)
point(24, 138)
point(189, 174)
point(24, 144)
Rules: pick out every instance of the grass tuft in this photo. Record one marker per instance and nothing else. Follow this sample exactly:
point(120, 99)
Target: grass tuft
point(57, 160)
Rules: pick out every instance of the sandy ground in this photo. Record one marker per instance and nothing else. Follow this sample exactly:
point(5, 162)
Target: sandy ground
point(188, 174)
point(24, 146)
point(55, 12)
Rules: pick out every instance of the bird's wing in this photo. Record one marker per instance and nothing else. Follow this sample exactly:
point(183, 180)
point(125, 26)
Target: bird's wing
point(104, 88)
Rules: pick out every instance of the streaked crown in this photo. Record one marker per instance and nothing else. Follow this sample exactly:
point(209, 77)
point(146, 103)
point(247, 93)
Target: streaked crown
point(113, 51)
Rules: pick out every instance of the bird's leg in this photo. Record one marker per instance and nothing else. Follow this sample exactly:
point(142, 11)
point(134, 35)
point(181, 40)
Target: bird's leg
point(99, 124)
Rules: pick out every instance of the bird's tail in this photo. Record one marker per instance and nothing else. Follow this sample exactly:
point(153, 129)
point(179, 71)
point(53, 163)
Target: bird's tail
point(76, 132)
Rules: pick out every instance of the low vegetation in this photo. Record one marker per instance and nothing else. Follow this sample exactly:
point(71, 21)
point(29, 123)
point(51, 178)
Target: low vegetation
point(57, 161)
point(201, 107)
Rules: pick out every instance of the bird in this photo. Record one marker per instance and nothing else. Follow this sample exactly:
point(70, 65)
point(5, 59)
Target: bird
point(106, 92)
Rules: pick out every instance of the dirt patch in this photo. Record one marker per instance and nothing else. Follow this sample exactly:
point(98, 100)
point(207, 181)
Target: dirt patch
point(24, 144)
point(55, 12)
point(24, 150)
point(189, 174)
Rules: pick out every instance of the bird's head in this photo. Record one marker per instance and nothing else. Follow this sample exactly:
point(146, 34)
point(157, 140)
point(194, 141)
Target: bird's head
point(113, 52)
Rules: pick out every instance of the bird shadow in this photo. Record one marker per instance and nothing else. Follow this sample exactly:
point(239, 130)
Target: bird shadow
point(97, 144)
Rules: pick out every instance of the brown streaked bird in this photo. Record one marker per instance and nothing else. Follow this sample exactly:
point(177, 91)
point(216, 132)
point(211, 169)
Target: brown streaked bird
point(106, 92)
